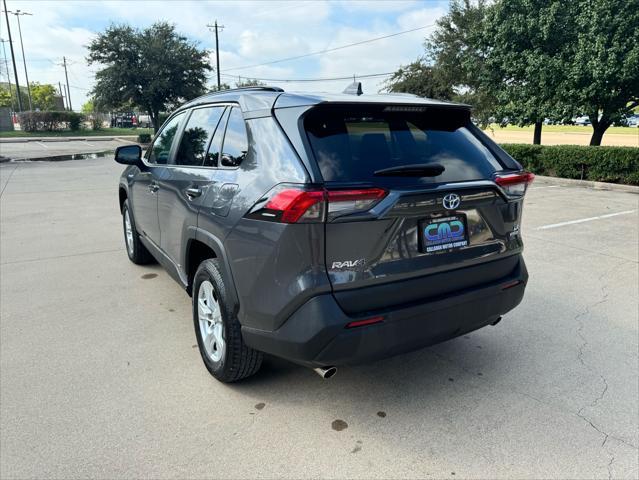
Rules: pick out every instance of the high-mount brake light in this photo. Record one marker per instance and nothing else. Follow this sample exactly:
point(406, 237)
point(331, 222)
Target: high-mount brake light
point(515, 184)
point(292, 204)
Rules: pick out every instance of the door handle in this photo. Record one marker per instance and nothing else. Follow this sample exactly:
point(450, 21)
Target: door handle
point(153, 187)
point(193, 192)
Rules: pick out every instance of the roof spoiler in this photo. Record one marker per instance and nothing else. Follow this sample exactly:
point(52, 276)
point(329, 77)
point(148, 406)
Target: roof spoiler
point(354, 88)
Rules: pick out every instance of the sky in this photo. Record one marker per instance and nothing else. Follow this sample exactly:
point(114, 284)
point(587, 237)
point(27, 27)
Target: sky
point(255, 32)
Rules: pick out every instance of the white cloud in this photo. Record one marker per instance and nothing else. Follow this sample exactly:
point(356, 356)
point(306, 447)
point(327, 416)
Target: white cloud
point(255, 32)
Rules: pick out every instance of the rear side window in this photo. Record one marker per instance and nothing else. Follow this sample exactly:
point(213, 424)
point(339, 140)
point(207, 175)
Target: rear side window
point(159, 152)
point(235, 141)
point(213, 155)
point(197, 135)
point(350, 143)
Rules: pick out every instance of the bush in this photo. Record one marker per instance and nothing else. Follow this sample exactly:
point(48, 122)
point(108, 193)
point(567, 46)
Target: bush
point(600, 164)
point(144, 138)
point(74, 122)
point(49, 121)
point(96, 120)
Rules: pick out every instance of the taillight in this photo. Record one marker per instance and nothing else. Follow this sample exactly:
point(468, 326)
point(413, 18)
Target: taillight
point(515, 184)
point(293, 204)
point(353, 201)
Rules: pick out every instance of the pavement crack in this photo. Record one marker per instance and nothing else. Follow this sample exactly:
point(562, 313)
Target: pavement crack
point(612, 459)
point(8, 179)
point(580, 319)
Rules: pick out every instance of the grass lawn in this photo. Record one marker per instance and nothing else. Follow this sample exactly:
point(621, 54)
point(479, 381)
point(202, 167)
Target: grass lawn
point(79, 133)
point(567, 129)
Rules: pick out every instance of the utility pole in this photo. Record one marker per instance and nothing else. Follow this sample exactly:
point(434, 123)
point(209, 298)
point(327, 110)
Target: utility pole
point(6, 66)
point(217, 51)
point(64, 63)
point(18, 13)
point(66, 94)
point(64, 107)
point(13, 57)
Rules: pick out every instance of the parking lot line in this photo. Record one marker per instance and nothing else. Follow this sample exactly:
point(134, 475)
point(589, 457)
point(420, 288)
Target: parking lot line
point(545, 186)
point(42, 145)
point(582, 220)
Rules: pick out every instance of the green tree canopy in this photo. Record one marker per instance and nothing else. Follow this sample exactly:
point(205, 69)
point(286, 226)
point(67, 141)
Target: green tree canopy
point(531, 59)
point(457, 50)
point(420, 79)
point(248, 82)
point(602, 76)
point(155, 68)
point(527, 56)
point(89, 106)
point(43, 96)
point(5, 97)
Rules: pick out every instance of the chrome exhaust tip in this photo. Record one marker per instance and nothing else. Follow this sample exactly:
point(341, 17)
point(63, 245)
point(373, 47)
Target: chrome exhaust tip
point(325, 372)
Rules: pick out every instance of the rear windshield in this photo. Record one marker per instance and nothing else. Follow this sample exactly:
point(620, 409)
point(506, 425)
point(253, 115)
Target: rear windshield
point(350, 143)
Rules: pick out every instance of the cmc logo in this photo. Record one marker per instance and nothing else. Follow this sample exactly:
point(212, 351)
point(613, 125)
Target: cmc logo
point(444, 231)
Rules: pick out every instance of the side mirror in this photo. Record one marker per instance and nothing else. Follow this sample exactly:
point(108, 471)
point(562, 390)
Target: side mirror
point(129, 155)
point(229, 161)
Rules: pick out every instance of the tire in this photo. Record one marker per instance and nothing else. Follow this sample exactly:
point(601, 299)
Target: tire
point(228, 360)
point(137, 252)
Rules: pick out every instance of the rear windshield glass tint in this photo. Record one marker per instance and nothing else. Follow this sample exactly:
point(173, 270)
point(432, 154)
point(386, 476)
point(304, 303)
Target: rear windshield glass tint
point(350, 143)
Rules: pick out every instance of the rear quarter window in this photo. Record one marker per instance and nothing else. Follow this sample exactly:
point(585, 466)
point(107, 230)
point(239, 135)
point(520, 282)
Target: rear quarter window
point(350, 144)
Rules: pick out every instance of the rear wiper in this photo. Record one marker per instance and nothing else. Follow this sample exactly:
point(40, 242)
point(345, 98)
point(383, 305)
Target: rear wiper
point(415, 170)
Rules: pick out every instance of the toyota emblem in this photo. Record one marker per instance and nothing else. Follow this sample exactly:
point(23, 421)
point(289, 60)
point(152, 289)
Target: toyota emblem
point(451, 201)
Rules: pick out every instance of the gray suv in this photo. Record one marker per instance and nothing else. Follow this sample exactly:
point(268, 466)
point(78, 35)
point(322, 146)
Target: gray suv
point(327, 229)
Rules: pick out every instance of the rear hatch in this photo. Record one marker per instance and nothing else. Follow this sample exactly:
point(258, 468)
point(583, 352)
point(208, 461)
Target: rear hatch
point(419, 193)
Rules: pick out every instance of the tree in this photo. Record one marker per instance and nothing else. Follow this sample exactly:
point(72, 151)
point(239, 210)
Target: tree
point(248, 82)
point(420, 79)
point(458, 51)
point(155, 68)
point(526, 43)
point(5, 97)
point(43, 97)
point(602, 79)
point(223, 86)
point(89, 106)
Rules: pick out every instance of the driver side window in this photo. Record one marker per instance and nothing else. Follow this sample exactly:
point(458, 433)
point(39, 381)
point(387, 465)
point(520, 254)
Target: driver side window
point(161, 148)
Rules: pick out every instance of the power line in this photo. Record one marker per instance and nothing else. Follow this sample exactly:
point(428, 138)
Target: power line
point(319, 52)
point(303, 80)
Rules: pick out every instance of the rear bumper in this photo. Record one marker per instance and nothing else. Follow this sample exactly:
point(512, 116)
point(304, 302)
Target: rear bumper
point(315, 335)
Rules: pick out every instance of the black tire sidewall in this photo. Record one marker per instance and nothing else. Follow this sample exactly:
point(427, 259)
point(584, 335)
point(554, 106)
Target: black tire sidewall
point(208, 270)
point(126, 208)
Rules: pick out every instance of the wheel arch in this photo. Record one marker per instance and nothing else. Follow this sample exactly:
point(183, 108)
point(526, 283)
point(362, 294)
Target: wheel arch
point(200, 246)
point(123, 195)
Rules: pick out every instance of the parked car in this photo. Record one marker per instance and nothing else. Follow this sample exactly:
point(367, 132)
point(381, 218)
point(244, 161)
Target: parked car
point(633, 120)
point(583, 121)
point(326, 229)
point(124, 120)
point(144, 120)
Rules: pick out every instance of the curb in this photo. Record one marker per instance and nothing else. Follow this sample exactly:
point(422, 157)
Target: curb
point(66, 139)
point(569, 182)
point(57, 158)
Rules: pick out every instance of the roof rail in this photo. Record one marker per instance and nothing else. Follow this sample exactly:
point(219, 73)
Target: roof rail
point(265, 88)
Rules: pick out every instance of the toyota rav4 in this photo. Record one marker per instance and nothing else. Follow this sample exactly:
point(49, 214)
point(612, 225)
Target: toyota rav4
point(327, 229)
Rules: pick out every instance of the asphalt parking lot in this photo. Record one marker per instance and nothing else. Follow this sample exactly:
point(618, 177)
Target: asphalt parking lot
point(100, 377)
